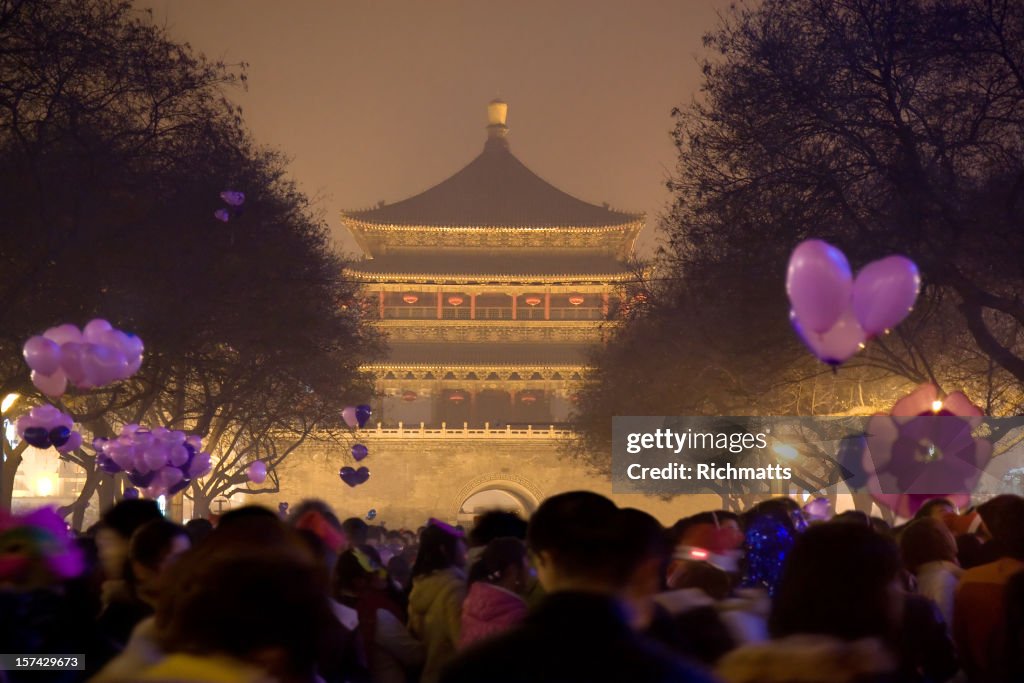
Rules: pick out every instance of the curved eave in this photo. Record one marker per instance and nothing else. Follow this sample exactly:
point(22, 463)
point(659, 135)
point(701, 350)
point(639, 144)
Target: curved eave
point(488, 278)
point(448, 367)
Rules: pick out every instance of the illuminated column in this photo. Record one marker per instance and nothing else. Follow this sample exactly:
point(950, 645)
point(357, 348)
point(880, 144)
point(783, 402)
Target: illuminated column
point(547, 305)
point(472, 306)
point(604, 305)
point(440, 313)
point(514, 299)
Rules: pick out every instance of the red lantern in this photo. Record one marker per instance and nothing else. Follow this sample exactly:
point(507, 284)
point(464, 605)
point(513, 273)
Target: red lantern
point(532, 300)
point(455, 300)
point(408, 395)
point(528, 399)
point(410, 298)
point(576, 299)
point(457, 398)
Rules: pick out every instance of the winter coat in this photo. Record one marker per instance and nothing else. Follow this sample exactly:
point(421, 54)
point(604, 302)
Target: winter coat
point(979, 618)
point(571, 637)
point(435, 615)
point(809, 659)
point(937, 581)
point(489, 610)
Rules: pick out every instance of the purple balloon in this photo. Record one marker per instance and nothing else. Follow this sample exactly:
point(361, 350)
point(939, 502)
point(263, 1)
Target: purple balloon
point(354, 477)
point(180, 486)
point(359, 451)
point(819, 283)
point(74, 442)
point(59, 436)
point(232, 197)
point(71, 362)
point(51, 385)
point(106, 464)
point(42, 355)
point(141, 479)
point(222, 215)
point(363, 413)
point(884, 293)
point(38, 437)
point(349, 416)
point(838, 344)
point(257, 471)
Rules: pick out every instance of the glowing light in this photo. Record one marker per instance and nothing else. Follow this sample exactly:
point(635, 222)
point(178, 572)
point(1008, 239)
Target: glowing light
point(410, 298)
point(936, 406)
point(408, 395)
point(699, 554)
point(785, 451)
point(455, 300)
point(44, 484)
point(576, 299)
point(532, 300)
point(9, 400)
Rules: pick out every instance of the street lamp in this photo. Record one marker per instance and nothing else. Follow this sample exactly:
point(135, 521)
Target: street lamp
point(8, 402)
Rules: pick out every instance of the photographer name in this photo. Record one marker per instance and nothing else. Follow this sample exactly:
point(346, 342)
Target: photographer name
point(709, 471)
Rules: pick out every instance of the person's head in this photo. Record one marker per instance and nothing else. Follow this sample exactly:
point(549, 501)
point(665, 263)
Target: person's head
point(260, 573)
point(880, 526)
point(840, 580)
point(356, 531)
point(441, 547)
point(575, 540)
point(648, 542)
point(115, 530)
point(317, 517)
point(503, 563)
point(400, 571)
point(1004, 518)
point(198, 529)
point(154, 547)
point(358, 571)
point(496, 524)
point(926, 539)
point(936, 507)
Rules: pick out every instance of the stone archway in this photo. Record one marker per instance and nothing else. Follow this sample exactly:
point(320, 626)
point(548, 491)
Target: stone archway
point(526, 494)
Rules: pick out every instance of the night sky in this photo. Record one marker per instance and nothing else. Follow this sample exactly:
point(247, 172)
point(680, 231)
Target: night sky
point(379, 100)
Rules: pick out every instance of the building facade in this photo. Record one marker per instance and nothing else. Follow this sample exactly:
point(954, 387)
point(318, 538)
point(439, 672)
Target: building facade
point(492, 288)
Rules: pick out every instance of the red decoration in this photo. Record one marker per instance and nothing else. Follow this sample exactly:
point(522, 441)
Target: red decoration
point(532, 300)
point(410, 298)
point(457, 398)
point(528, 399)
point(455, 300)
point(576, 299)
point(408, 395)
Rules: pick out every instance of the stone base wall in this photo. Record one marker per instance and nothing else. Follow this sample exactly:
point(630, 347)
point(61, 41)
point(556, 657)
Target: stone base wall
point(413, 478)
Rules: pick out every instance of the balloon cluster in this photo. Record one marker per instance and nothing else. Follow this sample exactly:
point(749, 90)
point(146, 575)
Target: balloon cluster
point(45, 426)
point(92, 357)
point(356, 417)
point(256, 471)
point(234, 200)
point(835, 314)
point(159, 461)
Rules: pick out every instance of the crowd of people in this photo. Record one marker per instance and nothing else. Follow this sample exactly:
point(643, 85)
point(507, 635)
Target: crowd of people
point(584, 591)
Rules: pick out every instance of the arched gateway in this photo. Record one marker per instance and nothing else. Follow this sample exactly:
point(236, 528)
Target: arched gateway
point(491, 287)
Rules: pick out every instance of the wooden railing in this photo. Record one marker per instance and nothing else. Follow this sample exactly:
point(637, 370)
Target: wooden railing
point(491, 313)
point(465, 432)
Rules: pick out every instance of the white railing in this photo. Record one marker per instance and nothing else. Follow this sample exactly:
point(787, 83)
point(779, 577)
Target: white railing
point(465, 432)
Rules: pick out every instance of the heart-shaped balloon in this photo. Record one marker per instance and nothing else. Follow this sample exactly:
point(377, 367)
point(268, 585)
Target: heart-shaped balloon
point(354, 477)
point(363, 413)
point(359, 451)
point(59, 436)
point(38, 437)
point(141, 479)
point(349, 416)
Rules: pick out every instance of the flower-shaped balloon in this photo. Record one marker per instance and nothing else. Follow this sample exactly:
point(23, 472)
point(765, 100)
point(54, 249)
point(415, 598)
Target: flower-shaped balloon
point(158, 461)
point(36, 550)
point(925, 448)
point(45, 426)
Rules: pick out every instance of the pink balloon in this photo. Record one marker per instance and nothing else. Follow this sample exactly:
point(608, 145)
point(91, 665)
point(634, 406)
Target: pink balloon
point(156, 458)
point(46, 415)
point(818, 283)
point(884, 293)
point(52, 385)
point(349, 416)
point(42, 355)
point(838, 344)
point(71, 362)
point(95, 330)
point(178, 455)
point(257, 472)
point(103, 364)
point(169, 476)
point(74, 442)
point(64, 334)
point(123, 456)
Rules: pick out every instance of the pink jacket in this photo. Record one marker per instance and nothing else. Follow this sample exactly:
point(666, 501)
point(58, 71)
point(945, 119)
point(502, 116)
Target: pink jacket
point(488, 611)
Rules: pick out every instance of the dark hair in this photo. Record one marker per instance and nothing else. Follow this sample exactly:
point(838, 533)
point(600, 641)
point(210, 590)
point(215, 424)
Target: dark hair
point(151, 542)
point(496, 558)
point(128, 515)
point(929, 505)
point(437, 551)
point(496, 524)
point(852, 517)
point(708, 578)
point(295, 513)
point(926, 540)
point(348, 570)
point(836, 582)
point(244, 513)
point(644, 536)
point(198, 529)
point(582, 531)
point(1004, 517)
point(780, 510)
point(356, 530)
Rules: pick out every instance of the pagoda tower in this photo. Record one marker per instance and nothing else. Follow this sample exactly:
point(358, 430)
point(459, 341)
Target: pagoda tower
point(492, 287)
